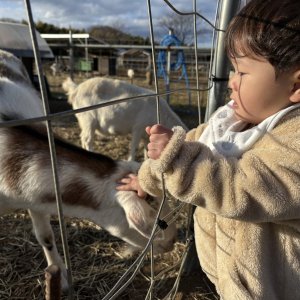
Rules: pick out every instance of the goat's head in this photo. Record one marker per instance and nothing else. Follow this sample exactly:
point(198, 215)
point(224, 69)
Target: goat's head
point(69, 86)
point(141, 217)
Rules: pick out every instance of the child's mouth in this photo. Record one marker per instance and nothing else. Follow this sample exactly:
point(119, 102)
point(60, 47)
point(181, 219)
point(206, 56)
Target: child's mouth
point(233, 104)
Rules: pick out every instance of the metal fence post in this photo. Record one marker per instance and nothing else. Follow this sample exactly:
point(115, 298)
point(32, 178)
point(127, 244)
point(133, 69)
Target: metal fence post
point(216, 98)
point(218, 78)
point(71, 55)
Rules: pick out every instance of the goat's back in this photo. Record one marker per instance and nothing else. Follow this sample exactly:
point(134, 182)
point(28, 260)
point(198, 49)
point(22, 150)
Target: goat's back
point(122, 117)
point(97, 89)
point(26, 169)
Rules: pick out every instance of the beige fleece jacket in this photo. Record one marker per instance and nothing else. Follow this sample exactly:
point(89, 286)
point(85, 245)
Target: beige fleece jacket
point(247, 221)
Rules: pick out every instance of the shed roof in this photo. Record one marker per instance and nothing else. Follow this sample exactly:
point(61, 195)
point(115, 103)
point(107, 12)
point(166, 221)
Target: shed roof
point(15, 38)
point(135, 52)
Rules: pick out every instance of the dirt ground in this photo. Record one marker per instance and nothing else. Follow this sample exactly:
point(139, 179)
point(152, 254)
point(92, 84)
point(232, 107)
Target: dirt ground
point(95, 255)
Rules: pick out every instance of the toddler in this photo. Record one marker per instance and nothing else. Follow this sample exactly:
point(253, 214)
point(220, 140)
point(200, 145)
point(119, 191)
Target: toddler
point(242, 168)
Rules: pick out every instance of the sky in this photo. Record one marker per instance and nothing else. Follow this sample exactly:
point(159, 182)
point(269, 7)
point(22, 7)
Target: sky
point(131, 16)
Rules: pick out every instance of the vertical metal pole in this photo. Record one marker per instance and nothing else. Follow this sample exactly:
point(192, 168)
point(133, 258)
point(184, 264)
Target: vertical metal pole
point(191, 264)
point(150, 292)
point(196, 60)
point(71, 60)
point(86, 57)
point(51, 146)
point(169, 53)
point(154, 59)
point(220, 69)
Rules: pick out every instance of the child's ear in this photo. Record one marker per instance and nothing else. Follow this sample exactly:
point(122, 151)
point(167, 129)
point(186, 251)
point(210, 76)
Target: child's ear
point(295, 96)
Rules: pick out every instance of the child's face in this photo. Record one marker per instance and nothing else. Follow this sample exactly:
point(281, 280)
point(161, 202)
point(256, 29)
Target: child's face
point(256, 92)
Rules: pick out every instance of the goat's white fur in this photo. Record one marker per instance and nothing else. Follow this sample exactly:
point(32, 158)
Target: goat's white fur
point(26, 177)
point(130, 73)
point(122, 118)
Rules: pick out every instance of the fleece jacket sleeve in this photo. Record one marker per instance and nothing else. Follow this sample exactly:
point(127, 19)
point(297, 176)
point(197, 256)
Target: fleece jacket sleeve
point(259, 186)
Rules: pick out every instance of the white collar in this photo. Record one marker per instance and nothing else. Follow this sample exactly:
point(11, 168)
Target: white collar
point(223, 134)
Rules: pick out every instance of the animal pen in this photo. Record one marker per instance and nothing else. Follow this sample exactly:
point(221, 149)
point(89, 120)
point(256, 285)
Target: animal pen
point(216, 87)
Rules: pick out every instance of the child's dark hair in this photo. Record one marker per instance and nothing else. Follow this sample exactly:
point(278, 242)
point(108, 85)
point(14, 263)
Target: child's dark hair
point(268, 29)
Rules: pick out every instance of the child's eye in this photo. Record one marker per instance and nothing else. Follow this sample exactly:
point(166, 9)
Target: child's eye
point(241, 73)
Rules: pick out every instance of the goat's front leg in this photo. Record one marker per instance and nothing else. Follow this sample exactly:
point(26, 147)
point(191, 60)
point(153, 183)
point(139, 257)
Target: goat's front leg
point(87, 124)
point(135, 140)
point(44, 235)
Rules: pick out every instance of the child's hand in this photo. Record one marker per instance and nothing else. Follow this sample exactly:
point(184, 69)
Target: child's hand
point(159, 137)
point(130, 183)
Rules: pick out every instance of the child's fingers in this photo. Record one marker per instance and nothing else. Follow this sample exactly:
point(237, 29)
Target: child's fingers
point(147, 129)
point(141, 194)
point(157, 129)
point(132, 176)
point(153, 153)
point(124, 181)
point(123, 187)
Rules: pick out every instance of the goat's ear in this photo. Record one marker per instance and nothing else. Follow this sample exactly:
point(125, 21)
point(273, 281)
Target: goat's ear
point(141, 219)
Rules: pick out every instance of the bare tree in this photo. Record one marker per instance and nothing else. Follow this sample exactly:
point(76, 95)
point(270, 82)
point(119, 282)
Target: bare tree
point(183, 28)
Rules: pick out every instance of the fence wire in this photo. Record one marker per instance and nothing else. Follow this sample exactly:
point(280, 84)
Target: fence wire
point(129, 275)
point(51, 147)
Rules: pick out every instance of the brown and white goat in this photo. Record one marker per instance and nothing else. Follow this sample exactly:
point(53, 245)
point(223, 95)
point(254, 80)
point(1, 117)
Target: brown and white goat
point(87, 180)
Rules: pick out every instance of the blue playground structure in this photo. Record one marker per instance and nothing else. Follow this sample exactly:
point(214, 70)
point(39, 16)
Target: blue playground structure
point(162, 62)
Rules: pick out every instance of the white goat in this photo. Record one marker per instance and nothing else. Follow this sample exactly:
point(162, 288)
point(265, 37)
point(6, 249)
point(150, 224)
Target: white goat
point(123, 118)
point(130, 74)
point(87, 180)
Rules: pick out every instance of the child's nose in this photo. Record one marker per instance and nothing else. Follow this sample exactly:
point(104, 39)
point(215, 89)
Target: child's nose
point(232, 83)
